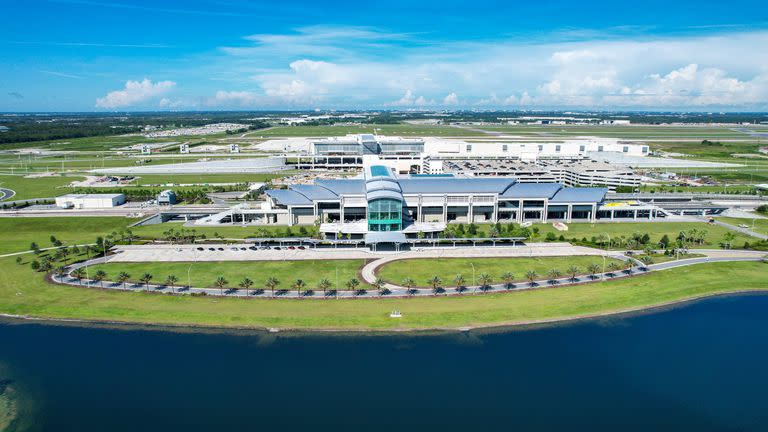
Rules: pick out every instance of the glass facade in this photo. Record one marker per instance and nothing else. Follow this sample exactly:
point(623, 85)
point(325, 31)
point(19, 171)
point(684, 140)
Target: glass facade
point(385, 215)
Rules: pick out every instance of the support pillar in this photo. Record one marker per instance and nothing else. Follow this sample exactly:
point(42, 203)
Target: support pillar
point(569, 213)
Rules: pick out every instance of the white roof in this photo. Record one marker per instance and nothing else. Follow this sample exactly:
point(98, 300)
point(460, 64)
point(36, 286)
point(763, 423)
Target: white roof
point(91, 196)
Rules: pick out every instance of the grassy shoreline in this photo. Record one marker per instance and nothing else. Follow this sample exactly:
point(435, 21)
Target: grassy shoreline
point(24, 294)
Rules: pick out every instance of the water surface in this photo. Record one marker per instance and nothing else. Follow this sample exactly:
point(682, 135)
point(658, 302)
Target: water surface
point(701, 367)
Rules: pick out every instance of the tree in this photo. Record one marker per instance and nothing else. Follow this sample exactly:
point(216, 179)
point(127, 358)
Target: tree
point(61, 271)
point(352, 285)
point(459, 282)
point(145, 278)
point(18, 260)
point(298, 285)
point(646, 259)
point(246, 284)
point(664, 241)
point(408, 283)
point(221, 283)
point(593, 269)
point(728, 238)
point(324, 284)
point(628, 264)
point(79, 274)
point(435, 282)
point(553, 275)
point(272, 283)
point(507, 277)
point(99, 276)
point(531, 276)
point(35, 265)
point(34, 248)
point(123, 277)
point(171, 281)
point(379, 285)
point(573, 271)
point(485, 281)
point(612, 268)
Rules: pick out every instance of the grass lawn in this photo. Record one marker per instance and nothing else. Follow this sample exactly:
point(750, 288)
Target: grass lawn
point(147, 179)
point(760, 225)
point(226, 231)
point(421, 270)
point(23, 292)
point(654, 229)
point(204, 274)
point(40, 187)
point(383, 129)
point(20, 232)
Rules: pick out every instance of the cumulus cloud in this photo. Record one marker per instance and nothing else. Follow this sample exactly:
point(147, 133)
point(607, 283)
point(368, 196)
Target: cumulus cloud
point(451, 99)
point(327, 66)
point(134, 92)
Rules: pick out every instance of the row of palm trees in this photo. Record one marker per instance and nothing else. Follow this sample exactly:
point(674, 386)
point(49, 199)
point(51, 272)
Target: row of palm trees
point(436, 283)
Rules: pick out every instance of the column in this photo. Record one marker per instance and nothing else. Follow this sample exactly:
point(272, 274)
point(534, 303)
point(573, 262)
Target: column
point(612, 211)
point(544, 212)
point(290, 216)
point(569, 213)
point(634, 215)
point(593, 216)
point(341, 210)
point(520, 211)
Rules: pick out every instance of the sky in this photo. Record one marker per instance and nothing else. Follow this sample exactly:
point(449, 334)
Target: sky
point(123, 55)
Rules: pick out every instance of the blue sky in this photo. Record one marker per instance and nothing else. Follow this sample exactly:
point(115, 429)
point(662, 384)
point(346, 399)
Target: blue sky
point(104, 55)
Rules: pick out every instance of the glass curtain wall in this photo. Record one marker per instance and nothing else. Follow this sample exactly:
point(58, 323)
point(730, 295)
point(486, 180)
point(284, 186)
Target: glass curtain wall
point(385, 215)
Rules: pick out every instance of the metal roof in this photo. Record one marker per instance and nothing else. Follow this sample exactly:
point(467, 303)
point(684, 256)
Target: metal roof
point(383, 193)
point(427, 185)
point(343, 187)
point(384, 237)
point(288, 197)
point(314, 192)
point(532, 190)
point(577, 195)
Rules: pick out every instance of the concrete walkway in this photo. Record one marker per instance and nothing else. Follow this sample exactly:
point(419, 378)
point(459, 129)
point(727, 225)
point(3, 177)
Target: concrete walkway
point(399, 291)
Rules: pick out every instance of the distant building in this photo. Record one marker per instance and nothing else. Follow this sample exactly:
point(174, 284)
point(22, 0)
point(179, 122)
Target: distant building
point(166, 197)
point(89, 201)
point(184, 148)
point(234, 148)
point(145, 149)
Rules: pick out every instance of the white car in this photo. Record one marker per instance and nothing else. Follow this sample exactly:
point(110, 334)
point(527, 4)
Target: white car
point(743, 226)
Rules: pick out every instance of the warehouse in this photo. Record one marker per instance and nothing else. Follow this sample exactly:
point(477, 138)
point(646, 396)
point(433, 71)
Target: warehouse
point(89, 201)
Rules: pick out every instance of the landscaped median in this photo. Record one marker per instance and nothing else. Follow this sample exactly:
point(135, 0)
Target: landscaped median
point(24, 292)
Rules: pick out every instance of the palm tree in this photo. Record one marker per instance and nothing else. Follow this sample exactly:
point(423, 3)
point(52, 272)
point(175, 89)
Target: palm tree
point(408, 283)
point(61, 271)
point(531, 276)
point(324, 284)
point(553, 275)
point(573, 271)
point(272, 283)
point(646, 260)
point(459, 282)
point(145, 278)
point(435, 282)
point(592, 269)
point(171, 281)
point(246, 284)
point(79, 274)
point(612, 268)
point(379, 285)
point(123, 277)
point(485, 281)
point(220, 283)
point(352, 285)
point(298, 285)
point(628, 264)
point(100, 276)
point(507, 277)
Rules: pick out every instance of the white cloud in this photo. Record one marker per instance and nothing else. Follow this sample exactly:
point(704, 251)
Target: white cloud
point(451, 99)
point(233, 98)
point(344, 67)
point(134, 93)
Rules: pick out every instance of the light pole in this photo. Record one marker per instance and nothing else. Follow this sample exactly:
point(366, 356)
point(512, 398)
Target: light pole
point(473, 274)
point(606, 252)
point(189, 270)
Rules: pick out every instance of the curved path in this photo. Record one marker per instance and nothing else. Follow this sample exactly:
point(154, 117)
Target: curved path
point(399, 291)
point(6, 194)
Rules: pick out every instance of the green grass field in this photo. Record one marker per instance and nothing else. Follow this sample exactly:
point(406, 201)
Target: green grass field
point(204, 274)
point(226, 231)
point(382, 129)
point(421, 270)
point(20, 232)
point(146, 179)
point(757, 225)
point(40, 187)
point(23, 292)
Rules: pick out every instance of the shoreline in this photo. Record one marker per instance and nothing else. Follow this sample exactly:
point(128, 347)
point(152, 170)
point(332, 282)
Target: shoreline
point(416, 331)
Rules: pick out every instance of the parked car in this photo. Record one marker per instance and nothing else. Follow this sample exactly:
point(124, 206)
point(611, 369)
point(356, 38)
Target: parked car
point(200, 248)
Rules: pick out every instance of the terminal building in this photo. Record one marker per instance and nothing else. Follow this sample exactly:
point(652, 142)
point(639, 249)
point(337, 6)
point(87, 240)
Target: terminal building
point(569, 161)
point(416, 204)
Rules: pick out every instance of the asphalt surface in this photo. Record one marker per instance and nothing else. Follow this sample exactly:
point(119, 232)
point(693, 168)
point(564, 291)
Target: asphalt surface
point(6, 194)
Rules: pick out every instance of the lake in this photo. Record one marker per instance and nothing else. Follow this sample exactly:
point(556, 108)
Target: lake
point(700, 367)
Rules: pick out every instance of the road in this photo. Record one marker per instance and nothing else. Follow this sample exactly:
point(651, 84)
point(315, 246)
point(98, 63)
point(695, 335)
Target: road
point(6, 194)
point(746, 231)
